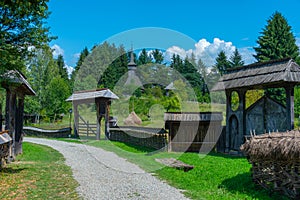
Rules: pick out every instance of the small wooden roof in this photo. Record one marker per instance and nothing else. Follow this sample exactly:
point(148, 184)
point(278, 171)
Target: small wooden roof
point(14, 77)
point(274, 73)
point(92, 95)
point(193, 116)
point(170, 86)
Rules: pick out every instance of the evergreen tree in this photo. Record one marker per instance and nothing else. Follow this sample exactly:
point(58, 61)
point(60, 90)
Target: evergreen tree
point(158, 56)
point(83, 54)
point(222, 64)
point(61, 67)
point(144, 58)
point(236, 59)
point(277, 40)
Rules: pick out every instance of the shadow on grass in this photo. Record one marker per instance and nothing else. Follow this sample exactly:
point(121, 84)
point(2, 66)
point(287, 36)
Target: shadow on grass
point(9, 170)
point(242, 183)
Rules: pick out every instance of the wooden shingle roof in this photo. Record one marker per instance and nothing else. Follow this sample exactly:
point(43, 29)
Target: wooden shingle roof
point(15, 77)
point(92, 94)
point(260, 75)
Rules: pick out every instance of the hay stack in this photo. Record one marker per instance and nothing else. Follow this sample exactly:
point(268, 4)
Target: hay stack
point(133, 119)
point(275, 160)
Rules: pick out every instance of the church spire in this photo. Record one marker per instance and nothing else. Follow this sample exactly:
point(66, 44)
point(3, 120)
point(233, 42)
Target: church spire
point(131, 65)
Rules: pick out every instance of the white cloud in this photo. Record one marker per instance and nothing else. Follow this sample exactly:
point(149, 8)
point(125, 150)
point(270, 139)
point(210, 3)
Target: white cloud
point(208, 52)
point(57, 50)
point(70, 69)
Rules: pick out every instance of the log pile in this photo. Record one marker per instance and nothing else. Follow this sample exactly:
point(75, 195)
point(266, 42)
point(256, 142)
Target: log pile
point(275, 160)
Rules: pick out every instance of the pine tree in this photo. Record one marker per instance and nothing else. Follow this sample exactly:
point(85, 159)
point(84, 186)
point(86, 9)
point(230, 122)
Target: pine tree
point(61, 67)
point(158, 56)
point(277, 40)
point(222, 64)
point(144, 58)
point(236, 59)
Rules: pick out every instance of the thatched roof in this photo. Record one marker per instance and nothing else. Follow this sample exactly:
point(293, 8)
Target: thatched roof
point(92, 94)
point(260, 75)
point(273, 146)
point(14, 77)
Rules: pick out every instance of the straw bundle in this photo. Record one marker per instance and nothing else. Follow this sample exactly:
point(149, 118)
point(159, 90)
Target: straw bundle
point(275, 160)
point(133, 119)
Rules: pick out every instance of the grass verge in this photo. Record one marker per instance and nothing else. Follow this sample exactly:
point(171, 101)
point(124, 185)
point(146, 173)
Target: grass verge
point(215, 176)
point(39, 173)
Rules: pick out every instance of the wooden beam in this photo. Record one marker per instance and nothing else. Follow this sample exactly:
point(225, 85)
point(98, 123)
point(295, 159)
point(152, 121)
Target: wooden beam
point(98, 133)
point(290, 107)
point(76, 119)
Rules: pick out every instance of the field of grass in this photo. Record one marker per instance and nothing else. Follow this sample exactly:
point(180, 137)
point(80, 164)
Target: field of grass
point(215, 176)
point(39, 173)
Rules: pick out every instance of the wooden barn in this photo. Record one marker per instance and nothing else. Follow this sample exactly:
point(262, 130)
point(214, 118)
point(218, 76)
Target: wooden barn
point(191, 131)
point(266, 114)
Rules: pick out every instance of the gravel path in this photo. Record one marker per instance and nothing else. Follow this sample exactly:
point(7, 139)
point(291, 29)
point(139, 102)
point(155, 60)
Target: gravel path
point(104, 175)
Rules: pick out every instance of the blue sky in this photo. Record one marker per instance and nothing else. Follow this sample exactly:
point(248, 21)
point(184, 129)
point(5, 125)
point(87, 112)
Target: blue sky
point(211, 25)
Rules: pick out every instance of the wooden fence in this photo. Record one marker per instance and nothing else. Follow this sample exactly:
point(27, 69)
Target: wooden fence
point(154, 138)
point(85, 128)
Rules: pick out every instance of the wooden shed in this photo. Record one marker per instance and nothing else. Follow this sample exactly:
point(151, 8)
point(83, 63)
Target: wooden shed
point(192, 131)
point(17, 88)
point(283, 73)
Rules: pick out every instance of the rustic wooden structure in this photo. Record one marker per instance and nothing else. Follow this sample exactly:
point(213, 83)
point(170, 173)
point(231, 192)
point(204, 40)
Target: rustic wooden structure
point(284, 73)
point(102, 98)
point(189, 131)
point(275, 160)
point(17, 88)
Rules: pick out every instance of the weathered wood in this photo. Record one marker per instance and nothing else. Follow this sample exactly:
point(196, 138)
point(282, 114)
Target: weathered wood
point(177, 164)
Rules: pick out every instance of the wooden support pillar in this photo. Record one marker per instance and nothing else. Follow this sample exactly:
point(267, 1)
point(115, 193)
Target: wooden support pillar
point(76, 120)
point(11, 119)
point(107, 108)
point(290, 107)
point(228, 114)
point(19, 125)
point(98, 132)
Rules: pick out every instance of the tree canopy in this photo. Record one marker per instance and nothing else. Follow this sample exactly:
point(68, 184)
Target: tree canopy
point(22, 27)
point(277, 40)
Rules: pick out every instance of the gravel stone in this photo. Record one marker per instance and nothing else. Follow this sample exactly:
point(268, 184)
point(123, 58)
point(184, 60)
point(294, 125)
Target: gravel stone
point(104, 175)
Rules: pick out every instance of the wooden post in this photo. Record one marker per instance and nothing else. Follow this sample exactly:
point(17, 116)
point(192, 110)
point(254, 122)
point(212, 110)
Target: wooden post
point(289, 107)
point(76, 120)
point(98, 132)
point(107, 106)
point(87, 128)
point(12, 120)
point(19, 125)
point(228, 113)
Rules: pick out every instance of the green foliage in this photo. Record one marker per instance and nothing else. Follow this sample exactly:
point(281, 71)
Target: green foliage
point(144, 58)
point(222, 64)
point(158, 56)
point(58, 91)
point(236, 59)
point(22, 27)
point(115, 70)
point(103, 58)
point(61, 67)
point(297, 101)
point(277, 40)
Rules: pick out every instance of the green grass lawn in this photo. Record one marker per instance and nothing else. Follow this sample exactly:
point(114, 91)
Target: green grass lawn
point(215, 176)
point(39, 173)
